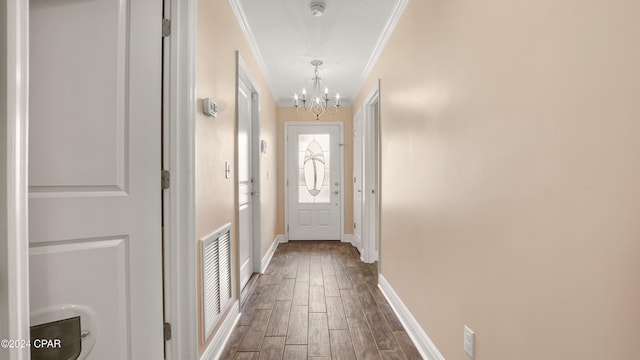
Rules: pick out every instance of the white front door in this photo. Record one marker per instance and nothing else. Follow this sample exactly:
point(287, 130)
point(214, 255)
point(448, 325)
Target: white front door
point(94, 177)
point(314, 181)
point(357, 181)
point(245, 183)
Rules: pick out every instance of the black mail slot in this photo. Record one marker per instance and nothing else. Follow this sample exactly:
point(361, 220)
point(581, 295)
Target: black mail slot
point(56, 340)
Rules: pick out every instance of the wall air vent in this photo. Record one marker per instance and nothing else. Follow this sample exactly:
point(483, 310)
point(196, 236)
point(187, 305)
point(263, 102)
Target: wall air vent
point(215, 263)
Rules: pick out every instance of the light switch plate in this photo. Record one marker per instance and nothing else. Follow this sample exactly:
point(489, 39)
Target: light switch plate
point(209, 107)
point(468, 341)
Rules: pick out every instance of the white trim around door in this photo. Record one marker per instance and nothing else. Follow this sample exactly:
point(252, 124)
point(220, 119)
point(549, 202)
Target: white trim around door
point(14, 238)
point(180, 265)
point(334, 187)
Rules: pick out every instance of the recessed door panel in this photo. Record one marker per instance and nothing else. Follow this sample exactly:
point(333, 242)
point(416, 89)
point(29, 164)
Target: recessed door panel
point(304, 217)
point(324, 217)
point(91, 273)
point(80, 66)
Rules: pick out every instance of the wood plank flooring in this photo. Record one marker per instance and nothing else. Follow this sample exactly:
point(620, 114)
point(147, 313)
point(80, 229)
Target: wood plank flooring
point(317, 300)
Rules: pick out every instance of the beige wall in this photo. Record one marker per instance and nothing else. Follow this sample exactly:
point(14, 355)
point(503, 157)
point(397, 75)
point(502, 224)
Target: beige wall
point(219, 36)
point(269, 176)
point(511, 175)
point(345, 116)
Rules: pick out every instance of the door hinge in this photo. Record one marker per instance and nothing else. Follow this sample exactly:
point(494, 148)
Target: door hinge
point(165, 179)
point(166, 27)
point(167, 331)
point(354, 225)
point(287, 227)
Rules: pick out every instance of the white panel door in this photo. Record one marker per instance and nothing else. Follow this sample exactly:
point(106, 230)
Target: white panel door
point(357, 181)
point(245, 203)
point(94, 173)
point(314, 165)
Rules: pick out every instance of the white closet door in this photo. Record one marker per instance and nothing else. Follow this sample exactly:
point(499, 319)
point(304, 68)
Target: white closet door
point(94, 175)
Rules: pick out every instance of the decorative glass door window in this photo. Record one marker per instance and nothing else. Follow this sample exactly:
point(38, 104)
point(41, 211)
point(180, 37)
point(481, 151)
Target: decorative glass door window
point(313, 165)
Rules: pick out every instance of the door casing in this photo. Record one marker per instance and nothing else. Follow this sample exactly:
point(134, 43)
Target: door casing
point(179, 107)
point(14, 237)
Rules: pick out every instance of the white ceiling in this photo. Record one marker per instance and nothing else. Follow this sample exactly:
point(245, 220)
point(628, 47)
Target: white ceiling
point(285, 37)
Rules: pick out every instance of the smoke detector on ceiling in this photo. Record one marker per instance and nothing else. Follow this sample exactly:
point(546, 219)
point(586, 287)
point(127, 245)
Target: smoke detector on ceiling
point(317, 8)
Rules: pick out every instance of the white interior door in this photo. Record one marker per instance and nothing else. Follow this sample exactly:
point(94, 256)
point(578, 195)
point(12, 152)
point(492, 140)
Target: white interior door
point(370, 178)
point(94, 177)
point(357, 181)
point(245, 201)
point(314, 181)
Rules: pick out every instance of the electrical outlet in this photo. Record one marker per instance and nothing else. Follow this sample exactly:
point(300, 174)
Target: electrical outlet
point(468, 341)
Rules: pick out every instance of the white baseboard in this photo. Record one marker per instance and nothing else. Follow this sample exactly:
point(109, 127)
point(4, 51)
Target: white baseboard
point(356, 243)
point(420, 339)
point(347, 238)
point(217, 344)
point(267, 257)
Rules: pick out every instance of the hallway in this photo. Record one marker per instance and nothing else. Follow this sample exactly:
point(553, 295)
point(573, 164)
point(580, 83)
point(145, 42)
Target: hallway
point(317, 300)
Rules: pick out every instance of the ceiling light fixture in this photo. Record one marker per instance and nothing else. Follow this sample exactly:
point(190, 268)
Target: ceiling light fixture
point(317, 101)
point(317, 8)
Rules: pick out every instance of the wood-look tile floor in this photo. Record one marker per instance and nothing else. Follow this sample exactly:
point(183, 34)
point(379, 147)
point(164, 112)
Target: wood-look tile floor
point(318, 301)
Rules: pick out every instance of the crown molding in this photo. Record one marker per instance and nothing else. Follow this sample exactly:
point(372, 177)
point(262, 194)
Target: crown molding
point(396, 13)
point(251, 40)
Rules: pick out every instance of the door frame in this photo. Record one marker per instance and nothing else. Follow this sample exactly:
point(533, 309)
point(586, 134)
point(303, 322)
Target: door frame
point(15, 257)
point(179, 112)
point(243, 73)
point(287, 124)
point(371, 176)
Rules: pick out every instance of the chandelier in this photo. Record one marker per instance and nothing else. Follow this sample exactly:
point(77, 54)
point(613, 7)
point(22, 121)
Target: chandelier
point(317, 100)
